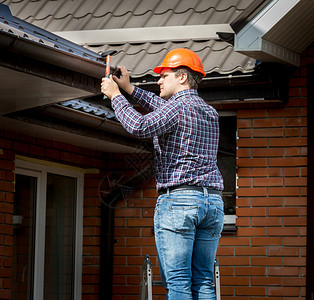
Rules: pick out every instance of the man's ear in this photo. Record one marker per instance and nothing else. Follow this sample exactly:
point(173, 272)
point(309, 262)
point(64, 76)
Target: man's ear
point(183, 78)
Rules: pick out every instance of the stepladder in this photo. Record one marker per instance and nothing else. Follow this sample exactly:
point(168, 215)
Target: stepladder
point(146, 291)
point(216, 280)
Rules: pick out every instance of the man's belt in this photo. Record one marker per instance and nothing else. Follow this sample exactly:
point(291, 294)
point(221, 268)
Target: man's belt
point(185, 187)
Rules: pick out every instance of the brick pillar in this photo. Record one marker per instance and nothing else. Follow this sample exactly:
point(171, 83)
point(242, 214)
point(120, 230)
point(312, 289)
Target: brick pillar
point(267, 256)
point(6, 216)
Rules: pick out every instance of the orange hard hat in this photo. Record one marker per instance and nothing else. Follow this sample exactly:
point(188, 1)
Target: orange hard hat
point(181, 57)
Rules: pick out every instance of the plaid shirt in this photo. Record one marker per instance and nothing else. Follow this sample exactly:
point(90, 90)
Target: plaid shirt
point(185, 132)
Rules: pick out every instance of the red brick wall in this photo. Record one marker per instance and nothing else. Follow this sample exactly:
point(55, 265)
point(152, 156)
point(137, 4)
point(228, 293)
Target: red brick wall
point(266, 257)
point(134, 238)
point(6, 215)
point(12, 144)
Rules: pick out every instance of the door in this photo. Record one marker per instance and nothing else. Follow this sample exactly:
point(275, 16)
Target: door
point(47, 249)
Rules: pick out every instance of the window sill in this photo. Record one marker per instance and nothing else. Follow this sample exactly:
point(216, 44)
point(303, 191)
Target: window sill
point(229, 229)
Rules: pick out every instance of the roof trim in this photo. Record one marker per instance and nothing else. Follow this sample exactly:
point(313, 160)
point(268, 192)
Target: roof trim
point(22, 38)
point(249, 40)
point(250, 12)
point(48, 54)
point(146, 34)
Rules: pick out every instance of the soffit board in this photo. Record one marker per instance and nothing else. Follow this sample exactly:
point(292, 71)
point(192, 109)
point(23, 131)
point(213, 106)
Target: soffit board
point(280, 32)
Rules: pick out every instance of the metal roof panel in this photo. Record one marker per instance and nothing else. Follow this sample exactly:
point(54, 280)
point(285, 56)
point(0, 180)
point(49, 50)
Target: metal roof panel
point(98, 14)
point(90, 108)
point(140, 59)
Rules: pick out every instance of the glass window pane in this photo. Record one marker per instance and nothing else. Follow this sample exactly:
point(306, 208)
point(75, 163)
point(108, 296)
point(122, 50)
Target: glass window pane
point(227, 161)
point(24, 237)
point(60, 237)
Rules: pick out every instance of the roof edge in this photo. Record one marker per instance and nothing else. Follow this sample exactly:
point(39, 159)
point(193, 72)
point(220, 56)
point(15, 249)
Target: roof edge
point(250, 12)
point(250, 40)
point(23, 46)
point(25, 39)
point(146, 34)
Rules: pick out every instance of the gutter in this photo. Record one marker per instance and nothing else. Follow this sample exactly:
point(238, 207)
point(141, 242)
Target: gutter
point(50, 54)
point(80, 123)
point(26, 39)
point(211, 81)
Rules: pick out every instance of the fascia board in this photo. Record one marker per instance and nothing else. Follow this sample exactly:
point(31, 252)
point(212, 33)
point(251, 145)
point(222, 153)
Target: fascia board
point(280, 53)
point(146, 34)
point(270, 52)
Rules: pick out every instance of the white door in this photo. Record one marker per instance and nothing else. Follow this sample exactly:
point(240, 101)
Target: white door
point(47, 244)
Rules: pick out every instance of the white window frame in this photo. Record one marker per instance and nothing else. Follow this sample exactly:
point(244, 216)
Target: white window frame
point(230, 219)
point(40, 171)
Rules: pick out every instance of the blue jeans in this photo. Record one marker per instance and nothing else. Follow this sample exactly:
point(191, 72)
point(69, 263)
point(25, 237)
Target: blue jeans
point(188, 226)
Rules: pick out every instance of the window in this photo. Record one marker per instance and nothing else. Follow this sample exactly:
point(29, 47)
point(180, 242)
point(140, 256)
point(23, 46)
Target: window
point(47, 251)
point(227, 164)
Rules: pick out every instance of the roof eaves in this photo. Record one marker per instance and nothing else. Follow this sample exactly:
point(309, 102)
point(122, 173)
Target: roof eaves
point(90, 108)
point(255, 40)
point(248, 14)
point(146, 34)
point(26, 39)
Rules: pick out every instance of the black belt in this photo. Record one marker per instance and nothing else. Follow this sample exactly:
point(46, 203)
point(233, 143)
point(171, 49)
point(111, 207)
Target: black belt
point(188, 187)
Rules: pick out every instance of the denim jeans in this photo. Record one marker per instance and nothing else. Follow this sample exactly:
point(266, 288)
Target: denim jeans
point(188, 226)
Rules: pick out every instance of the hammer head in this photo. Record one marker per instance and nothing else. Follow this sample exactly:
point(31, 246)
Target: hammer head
point(109, 52)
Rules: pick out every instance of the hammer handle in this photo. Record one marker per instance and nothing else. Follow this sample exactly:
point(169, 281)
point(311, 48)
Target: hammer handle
point(108, 62)
point(107, 71)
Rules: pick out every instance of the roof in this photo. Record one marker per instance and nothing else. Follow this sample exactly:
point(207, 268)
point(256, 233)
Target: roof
point(279, 32)
point(13, 28)
point(217, 56)
point(40, 61)
point(110, 14)
point(141, 57)
point(89, 107)
point(39, 69)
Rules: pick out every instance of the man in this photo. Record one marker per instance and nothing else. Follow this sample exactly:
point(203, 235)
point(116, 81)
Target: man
point(189, 215)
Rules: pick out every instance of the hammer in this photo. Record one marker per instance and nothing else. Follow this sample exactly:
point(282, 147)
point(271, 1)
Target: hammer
point(107, 57)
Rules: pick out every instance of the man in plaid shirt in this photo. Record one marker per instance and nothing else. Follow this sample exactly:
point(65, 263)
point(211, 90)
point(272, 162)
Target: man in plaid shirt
point(189, 215)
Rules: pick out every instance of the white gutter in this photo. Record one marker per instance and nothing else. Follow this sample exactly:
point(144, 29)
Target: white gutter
point(146, 34)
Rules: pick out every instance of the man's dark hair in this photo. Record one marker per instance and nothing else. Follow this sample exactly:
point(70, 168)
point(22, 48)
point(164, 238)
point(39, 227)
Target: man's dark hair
point(194, 78)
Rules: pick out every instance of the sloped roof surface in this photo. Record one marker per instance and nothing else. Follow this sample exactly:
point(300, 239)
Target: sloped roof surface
point(141, 58)
point(89, 107)
point(216, 56)
point(98, 14)
point(24, 30)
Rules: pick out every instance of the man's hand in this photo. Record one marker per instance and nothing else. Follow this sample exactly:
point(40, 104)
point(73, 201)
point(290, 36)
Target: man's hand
point(124, 81)
point(109, 87)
